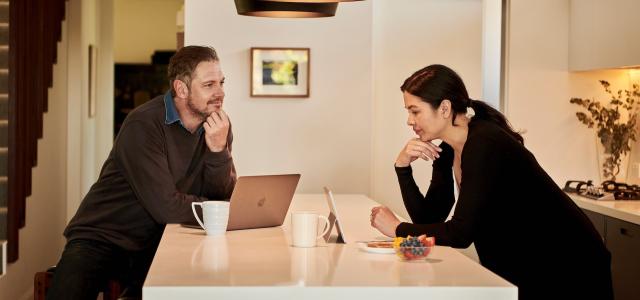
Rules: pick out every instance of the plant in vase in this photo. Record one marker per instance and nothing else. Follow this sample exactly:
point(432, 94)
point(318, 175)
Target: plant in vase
point(614, 133)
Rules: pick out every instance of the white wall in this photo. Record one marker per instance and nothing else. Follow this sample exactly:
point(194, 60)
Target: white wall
point(75, 109)
point(540, 87)
point(87, 131)
point(41, 239)
point(105, 78)
point(143, 26)
point(326, 137)
point(405, 40)
point(90, 138)
point(81, 129)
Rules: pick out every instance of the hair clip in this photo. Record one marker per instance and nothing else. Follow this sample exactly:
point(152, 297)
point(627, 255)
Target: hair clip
point(470, 112)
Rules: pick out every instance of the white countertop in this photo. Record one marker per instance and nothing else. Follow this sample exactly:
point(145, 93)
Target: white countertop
point(260, 263)
point(620, 209)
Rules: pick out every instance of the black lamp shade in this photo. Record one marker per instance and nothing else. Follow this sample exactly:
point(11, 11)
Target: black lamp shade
point(275, 9)
point(313, 1)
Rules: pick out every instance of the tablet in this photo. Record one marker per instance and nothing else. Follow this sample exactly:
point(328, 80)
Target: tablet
point(334, 219)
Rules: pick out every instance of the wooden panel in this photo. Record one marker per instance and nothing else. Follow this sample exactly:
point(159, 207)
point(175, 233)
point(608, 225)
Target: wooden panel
point(58, 15)
point(28, 105)
point(30, 118)
point(39, 72)
point(33, 34)
point(14, 183)
point(23, 104)
point(12, 228)
point(50, 44)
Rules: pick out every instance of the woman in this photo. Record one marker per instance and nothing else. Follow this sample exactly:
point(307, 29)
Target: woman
point(525, 229)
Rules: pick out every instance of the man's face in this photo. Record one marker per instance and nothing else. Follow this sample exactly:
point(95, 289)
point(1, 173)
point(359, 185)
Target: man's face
point(206, 93)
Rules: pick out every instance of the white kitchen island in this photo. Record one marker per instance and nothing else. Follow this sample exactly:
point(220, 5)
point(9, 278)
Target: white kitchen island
point(626, 210)
point(261, 264)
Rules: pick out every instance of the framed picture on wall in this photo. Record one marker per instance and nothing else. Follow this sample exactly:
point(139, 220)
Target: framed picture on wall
point(280, 72)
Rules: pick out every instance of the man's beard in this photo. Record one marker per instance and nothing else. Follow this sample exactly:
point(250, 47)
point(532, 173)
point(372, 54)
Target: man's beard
point(195, 111)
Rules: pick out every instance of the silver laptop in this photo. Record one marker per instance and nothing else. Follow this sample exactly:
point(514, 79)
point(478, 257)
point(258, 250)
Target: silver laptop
point(261, 201)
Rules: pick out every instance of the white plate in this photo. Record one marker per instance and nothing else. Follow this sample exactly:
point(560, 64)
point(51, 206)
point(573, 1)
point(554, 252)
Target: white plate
point(378, 250)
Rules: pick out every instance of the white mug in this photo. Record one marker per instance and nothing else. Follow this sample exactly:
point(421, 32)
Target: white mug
point(304, 226)
point(215, 215)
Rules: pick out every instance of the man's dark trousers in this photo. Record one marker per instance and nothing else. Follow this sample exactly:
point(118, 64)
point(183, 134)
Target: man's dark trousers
point(87, 265)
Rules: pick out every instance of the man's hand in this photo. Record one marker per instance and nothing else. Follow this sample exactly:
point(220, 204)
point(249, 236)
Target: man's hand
point(216, 128)
point(383, 219)
point(414, 149)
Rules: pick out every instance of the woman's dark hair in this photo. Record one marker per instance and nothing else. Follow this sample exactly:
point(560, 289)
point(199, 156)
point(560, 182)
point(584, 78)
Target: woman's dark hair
point(435, 83)
point(183, 64)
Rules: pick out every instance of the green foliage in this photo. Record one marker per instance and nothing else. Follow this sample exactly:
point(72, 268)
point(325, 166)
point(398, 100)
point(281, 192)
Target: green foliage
point(614, 135)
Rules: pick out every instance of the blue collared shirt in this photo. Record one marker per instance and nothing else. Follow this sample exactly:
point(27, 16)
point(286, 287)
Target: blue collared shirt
point(171, 113)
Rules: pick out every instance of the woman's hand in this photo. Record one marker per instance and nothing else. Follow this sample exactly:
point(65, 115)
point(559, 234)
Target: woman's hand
point(383, 219)
point(414, 149)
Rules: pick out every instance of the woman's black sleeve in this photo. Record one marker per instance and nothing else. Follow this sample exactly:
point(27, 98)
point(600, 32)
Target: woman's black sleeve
point(435, 206)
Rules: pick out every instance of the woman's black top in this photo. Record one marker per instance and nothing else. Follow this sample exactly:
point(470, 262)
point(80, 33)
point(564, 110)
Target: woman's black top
point(525, 228)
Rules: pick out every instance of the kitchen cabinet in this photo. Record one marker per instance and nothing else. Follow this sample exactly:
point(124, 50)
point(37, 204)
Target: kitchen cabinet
point(598, 221)
point(623, 241)
point(603, 34)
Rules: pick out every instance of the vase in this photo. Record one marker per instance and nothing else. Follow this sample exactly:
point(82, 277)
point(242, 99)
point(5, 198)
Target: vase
point(610, 168)
point(633, 174)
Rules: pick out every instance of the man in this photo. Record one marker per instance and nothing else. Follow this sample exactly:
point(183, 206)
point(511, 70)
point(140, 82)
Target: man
point(171, 151)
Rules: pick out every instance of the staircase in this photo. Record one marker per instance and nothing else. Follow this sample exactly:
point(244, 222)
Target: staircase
point(4, 128)
point(29, 33)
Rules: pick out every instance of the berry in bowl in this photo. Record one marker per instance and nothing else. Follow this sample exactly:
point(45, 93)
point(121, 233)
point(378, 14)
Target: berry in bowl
point(413, 248)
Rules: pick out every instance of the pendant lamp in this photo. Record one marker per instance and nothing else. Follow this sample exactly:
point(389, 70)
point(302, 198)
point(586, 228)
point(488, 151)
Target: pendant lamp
point(282, 9)
point(313, 1)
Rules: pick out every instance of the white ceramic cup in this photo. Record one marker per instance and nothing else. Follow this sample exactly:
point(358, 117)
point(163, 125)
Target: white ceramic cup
point(215, 215)
point(304, 227)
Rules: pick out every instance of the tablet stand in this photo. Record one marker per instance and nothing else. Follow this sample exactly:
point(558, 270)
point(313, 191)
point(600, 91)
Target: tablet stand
point(327, 236)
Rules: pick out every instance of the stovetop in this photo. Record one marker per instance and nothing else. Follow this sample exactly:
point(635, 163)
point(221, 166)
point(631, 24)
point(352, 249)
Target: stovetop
point(608, 190)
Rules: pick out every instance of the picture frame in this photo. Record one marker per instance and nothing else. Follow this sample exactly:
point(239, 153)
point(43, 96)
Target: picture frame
point(280, 72)
point(92, 76)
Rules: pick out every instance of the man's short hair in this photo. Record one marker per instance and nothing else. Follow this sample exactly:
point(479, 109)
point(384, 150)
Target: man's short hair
point(183, 64)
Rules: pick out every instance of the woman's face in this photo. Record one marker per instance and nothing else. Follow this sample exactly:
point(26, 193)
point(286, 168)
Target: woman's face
point(427, 122)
